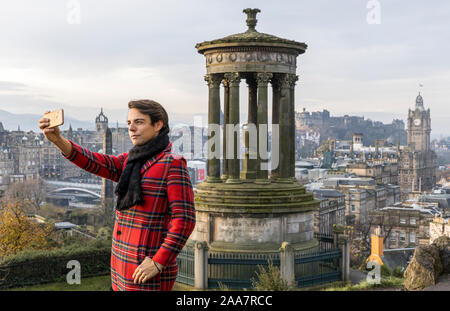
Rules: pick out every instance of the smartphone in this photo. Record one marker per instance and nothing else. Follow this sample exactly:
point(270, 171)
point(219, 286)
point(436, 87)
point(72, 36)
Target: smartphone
point(56, 117)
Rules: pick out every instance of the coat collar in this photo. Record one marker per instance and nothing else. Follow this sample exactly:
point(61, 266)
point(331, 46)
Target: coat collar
point(154, 159)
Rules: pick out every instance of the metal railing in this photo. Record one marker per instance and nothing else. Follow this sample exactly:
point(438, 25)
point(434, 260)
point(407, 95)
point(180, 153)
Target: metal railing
point(186, 262)
point(318, 267)
point(326, 241)
point(236, 270)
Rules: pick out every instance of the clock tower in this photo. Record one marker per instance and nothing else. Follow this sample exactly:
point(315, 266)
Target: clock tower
point(419, 127)
point(417, 162)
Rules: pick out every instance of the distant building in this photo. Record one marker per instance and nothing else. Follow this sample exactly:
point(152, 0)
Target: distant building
point(25, 148)
point(101, 123)
point(384, 172)
point(6, 168)
point(107, 184)
point(355, 149)
point(331, 211)
point(362, 195)
point(440, 197)
point(417, 170)
point(197, 171)
point(406, 223)
point(313, 128)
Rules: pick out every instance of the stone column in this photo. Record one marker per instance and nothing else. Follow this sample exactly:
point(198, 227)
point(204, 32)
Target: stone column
point(233, 137)
point(201, 265)
point(292, 80)
point(213, 163)
point(344, 245)
point(285, 131)
point(287, 263)
point(276, 94)
point(249, 165)
point(226, 118)
point(263, 123)
point(337, 231)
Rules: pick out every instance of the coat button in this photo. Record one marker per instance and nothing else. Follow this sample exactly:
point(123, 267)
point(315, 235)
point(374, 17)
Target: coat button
point(119, 232)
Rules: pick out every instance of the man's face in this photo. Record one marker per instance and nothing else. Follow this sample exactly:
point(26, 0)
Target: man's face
point(140, 128)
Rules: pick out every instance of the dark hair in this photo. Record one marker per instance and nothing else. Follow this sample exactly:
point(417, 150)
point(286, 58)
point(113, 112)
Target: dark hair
point(155, 110)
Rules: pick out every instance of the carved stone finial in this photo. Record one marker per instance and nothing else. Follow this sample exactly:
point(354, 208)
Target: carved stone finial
point(251, 18)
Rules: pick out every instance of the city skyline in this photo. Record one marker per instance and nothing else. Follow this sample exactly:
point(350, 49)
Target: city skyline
point(139, 50)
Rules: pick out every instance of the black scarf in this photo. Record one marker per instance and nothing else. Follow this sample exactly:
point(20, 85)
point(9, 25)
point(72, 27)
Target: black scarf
point(128, 190)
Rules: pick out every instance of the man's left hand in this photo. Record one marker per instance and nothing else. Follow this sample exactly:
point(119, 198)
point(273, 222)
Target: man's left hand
point(146, 271)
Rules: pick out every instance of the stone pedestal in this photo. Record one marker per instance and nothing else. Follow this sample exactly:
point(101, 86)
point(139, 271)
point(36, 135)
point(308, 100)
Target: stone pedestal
point(287, 263)
point(249, 216)
point(201, 265)
point(344, 245)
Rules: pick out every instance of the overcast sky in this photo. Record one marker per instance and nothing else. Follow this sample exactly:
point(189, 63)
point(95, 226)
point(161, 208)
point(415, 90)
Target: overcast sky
point(123, 50)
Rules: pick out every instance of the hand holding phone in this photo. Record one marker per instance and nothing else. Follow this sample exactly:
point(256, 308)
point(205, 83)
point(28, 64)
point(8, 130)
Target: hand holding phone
point(49, 125)
point(56, 118)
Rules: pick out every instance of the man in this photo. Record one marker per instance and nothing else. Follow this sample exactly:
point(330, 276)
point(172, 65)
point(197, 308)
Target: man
point(155, 211)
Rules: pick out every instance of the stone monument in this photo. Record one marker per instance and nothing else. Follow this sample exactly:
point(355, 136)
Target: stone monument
point(253, 209)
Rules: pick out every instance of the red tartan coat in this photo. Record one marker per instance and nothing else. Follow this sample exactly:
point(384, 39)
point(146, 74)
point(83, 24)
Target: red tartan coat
point(159, 228)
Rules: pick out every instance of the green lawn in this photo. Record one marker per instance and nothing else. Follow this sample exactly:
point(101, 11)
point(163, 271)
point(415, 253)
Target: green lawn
point(387, 283)
point(103, 283)
point(98, 283)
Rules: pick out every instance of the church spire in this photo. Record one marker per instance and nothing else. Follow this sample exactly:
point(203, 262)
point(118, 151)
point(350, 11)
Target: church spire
point(419, 102)
point(70, 132)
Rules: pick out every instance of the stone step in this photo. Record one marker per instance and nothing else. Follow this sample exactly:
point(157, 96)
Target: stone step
point(253, 199)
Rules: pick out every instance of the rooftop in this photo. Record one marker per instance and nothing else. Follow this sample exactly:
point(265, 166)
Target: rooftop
point(422, 207)
point(331, 193)
point(65, 225)
point(393, 258)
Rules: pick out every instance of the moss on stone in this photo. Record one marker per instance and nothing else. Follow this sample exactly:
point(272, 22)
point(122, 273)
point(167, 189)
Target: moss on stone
point(424, 268)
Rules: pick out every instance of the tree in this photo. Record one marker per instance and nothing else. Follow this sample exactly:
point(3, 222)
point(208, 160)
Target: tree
point(31, 193)
point(18, 232)
point(361, 239)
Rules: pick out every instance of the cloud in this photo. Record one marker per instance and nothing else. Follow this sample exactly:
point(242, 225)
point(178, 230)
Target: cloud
point(11, 86)
point(145, 49)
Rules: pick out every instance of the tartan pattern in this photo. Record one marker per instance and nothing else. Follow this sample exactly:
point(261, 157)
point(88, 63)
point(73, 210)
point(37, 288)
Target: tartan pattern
point(159, 228)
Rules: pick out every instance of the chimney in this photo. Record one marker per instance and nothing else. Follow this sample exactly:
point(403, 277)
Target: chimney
point(377, 246)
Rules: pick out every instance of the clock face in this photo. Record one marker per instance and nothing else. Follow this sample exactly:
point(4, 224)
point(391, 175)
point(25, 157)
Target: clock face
point(417, 122)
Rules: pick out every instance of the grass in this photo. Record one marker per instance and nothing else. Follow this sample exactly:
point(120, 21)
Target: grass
point(97, 283)
point(103, 283)
point(390, 282)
